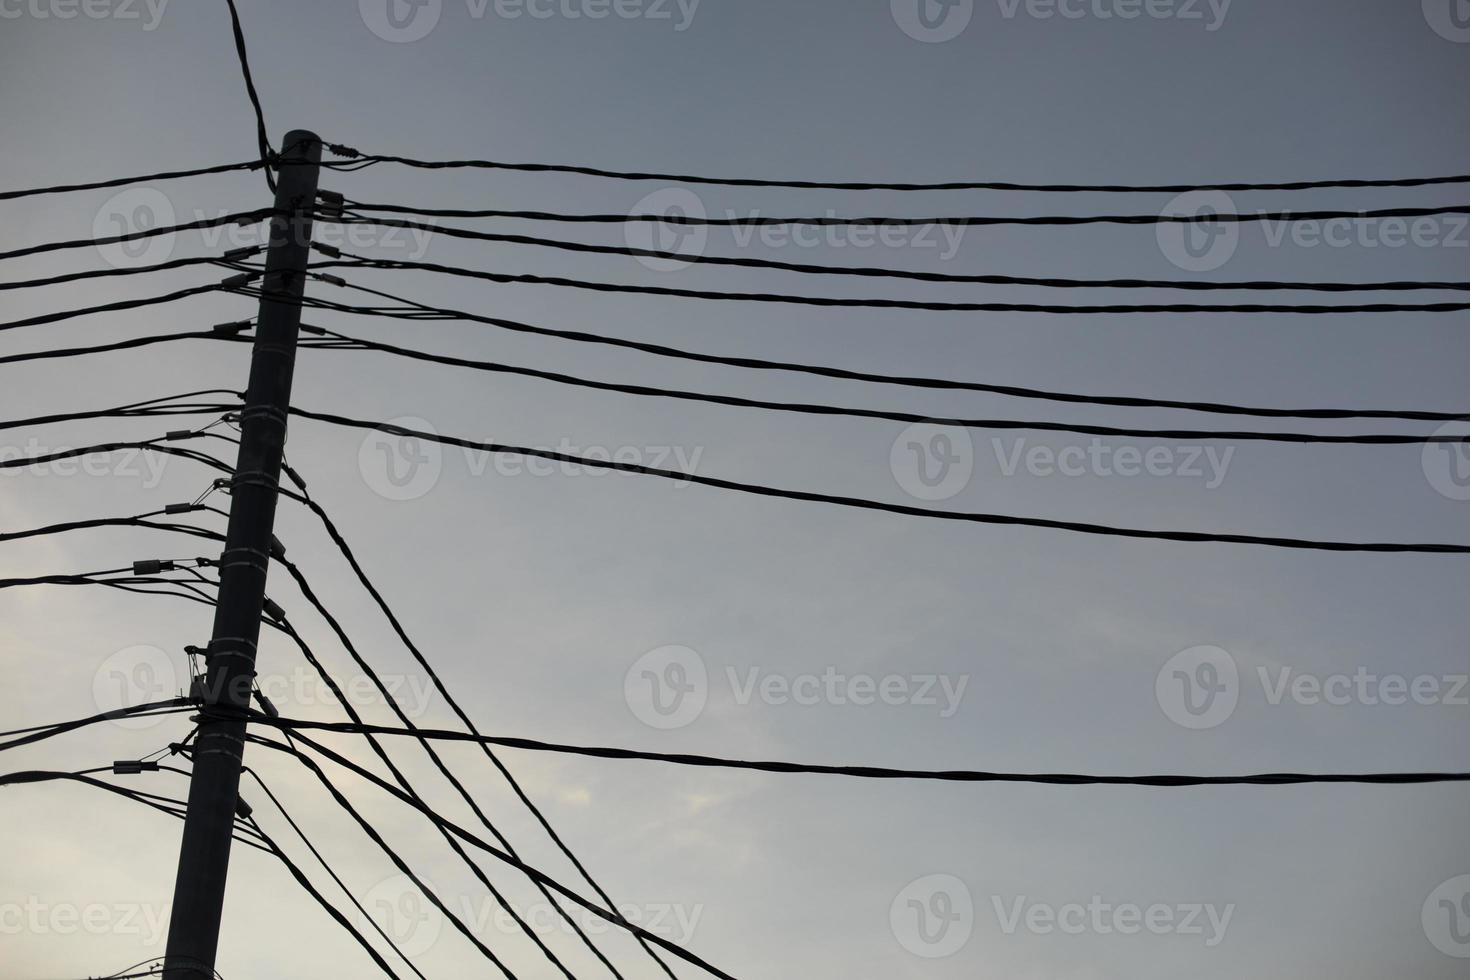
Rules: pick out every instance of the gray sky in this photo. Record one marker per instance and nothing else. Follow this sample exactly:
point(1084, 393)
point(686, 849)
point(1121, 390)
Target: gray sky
point(537, 595)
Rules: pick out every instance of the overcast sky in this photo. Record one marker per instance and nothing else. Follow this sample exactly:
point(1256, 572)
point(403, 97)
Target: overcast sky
point(556, 603)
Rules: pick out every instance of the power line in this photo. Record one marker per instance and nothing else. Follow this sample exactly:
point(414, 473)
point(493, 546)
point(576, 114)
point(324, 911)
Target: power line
point(762, 364)
point(120, 272)
point(758, 220)
point(239, 217)
point(464, 718)
point(123, 181)
point(911, 417)
point(806, 268)
point(609, 915)
point(114, 307)
point(885, 507)
point(362, 262)
point(372, 159)
point(879, 772)
point(267, 155)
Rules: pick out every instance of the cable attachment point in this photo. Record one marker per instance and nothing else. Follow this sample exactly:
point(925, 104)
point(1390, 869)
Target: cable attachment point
point(230, 329)
point(153, 566)
point(332, 204)
point(132, 767)
point(237, 281)
point(330, 251)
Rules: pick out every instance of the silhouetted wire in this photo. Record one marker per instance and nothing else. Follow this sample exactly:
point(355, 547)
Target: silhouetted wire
point(136, 342)
point(239, 217)
point(281, 808)
point(660, 350)
point(113, 273)
point(911, 417)
point(267, 154)
point(152, 408)
point(890, 304)
point(872, 772)
point(746, 262)
point(374, 158)
point(122, 181)
point(731, 220)
point(311, 597)
point(140, 520)
point(444, 691)
point(883, 506)
point(37, 733)
point(608, 915)
point(126, 304)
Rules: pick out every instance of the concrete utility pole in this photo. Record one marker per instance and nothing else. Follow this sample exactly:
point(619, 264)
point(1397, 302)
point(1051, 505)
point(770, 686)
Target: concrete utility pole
point(204, 856)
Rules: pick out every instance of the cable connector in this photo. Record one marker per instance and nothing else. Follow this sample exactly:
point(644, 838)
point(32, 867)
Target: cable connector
point(294, 476)
point(278, 550)
point(238, 326)
point(176, 435)
point(236, 254)
point(332, 203)
point(132, 767)
point(196, 651)
point(273, 610)
point(243, 810)
point(153, 566)
point(235, 282)
point(330, 251)
point(343, 151)
point(181, 508)
point(265, 704)
point(311, 329)
point(333, 280)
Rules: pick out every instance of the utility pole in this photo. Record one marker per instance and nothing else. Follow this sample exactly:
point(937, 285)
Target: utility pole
point(204, 856)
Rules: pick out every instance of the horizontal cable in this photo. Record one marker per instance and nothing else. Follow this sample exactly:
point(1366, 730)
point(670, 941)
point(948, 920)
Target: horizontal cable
point(965, 221)
point(891, 304)
point(869, 272)
point(751, 363)
point(834, 410)
point(126, 304)
point(883, 506)
point(239, 217)
point(122, 181)
point(868, 772)
point(369, 159)
point(135, 342)
point(110, 273)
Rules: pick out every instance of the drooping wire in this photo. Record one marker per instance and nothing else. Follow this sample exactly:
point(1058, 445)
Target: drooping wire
point(123, 181)
point(262, 136)
point(886, 507)
point(239, 218)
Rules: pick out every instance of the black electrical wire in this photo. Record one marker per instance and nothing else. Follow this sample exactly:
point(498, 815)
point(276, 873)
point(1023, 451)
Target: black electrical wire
point(443, 689)
point(608, 915)
point(262, 137)
point(136, 342)
point(140, 520)
point(879, 772)
point(37, 733)
point(126, 304)
point(757, 220)
point(122, 181)
point(281, 808)
point(328, 907)
point(110, 273)
point(746, 262)
point(239, 217)
point(311, 597)
point(153, 408)
point(148, 445)
point(888, 379)
point(833, 410)
point(892, 304)
point(885, 507)
point(370, 159)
